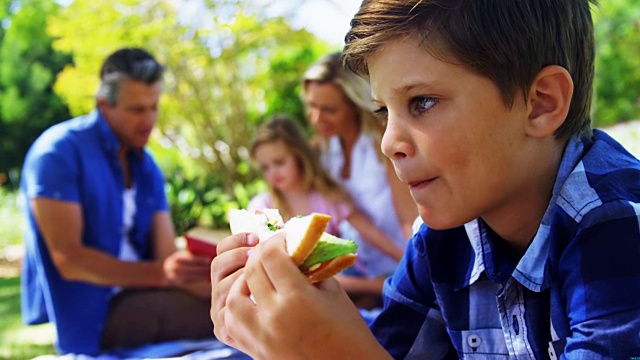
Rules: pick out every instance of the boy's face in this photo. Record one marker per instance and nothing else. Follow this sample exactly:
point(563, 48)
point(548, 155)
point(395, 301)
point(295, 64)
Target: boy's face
point(450, 136)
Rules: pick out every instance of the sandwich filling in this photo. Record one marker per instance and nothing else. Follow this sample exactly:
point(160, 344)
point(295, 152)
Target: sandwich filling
point(329, 247)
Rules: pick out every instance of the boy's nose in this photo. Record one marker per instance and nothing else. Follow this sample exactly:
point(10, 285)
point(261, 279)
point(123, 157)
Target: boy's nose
point(394, 142)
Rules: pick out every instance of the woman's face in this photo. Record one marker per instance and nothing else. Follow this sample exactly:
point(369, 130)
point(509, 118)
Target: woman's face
point(279, 166)
point(329, 110)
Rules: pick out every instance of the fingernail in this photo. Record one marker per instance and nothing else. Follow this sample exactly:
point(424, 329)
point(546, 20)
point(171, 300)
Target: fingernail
point(249, 252)
point(252, 239)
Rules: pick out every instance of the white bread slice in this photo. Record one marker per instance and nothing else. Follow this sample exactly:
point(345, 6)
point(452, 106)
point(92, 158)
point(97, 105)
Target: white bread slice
point(303, 233)
point(254, 222)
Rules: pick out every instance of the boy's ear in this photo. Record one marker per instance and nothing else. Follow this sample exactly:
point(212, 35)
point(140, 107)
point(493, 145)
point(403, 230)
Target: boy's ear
point(549, 99)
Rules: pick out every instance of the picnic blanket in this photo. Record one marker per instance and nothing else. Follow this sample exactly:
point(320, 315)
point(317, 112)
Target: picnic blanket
point(207, 349)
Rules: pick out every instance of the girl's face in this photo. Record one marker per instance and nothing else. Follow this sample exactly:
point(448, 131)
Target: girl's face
point(279, 166)
point(329, 110)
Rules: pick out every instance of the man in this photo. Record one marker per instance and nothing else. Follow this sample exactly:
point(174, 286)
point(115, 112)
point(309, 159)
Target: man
point(101, 262)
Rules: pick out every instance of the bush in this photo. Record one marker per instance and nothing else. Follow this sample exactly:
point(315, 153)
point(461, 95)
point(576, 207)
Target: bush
point(11, 229)
point(205, 200)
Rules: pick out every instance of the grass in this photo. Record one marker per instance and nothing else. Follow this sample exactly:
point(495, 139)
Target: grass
point(10, 231)
point(17, 341)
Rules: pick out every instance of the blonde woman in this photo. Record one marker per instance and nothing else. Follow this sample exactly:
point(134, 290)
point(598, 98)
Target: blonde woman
point(340, 109)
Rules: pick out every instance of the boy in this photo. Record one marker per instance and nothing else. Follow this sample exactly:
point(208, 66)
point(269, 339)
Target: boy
point(533, 242)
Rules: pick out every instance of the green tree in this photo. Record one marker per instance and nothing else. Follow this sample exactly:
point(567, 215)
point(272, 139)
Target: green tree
point(28, 66)
point(617, 81)
point(225, 75)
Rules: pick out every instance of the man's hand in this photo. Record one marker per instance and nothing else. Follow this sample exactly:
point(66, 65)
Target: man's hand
point(182, 268)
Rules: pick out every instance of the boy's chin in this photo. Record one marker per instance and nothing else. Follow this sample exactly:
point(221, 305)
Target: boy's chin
point(438, 220)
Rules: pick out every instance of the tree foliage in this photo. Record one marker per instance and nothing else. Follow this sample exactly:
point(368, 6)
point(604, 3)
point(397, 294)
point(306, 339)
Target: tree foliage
point(224, 76)
point(28, 68)
point(617, 82)
point(230, 65)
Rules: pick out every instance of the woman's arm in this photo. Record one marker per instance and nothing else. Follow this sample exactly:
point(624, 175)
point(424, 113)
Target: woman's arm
point(373, 235)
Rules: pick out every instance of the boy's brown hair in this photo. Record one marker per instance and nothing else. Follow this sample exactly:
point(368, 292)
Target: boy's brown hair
point(507, 41)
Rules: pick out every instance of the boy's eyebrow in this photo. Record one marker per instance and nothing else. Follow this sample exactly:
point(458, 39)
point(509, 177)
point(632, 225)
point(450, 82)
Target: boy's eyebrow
point(403, 89)
point(414, 84)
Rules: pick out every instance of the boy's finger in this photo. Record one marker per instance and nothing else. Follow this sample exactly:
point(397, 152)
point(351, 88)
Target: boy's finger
point(281, 272)
point(236, 241)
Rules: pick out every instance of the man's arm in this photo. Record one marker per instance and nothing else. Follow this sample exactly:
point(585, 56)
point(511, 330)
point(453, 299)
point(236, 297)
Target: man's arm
point(61, 224)
point(182, 269)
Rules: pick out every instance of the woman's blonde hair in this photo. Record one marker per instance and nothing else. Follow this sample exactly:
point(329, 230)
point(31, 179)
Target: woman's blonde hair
point(330, 69)
point(284, 129)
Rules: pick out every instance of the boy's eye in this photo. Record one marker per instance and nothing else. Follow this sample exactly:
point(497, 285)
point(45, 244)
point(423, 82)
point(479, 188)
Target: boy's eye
point(422, 104)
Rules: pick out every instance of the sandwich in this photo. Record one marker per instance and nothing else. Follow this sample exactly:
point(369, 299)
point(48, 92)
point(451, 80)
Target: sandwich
point(317, 254)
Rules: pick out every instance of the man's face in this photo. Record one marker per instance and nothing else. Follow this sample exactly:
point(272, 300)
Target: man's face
point(450, 136)
point(134, 115)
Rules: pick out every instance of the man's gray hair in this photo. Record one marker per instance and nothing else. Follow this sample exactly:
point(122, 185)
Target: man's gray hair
point(129, 63)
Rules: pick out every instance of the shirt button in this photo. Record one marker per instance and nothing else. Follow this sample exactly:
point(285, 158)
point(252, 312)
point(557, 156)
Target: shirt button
point(474, 341)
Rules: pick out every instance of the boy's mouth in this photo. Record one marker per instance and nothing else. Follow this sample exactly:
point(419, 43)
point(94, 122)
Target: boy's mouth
point(419, 184)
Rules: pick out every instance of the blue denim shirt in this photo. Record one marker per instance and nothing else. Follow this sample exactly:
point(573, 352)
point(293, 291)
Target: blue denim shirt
point(76, 161)
point(575, 294)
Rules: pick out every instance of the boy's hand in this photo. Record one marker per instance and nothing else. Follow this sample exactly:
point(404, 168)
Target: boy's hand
point(226, 267)
point(272, 311)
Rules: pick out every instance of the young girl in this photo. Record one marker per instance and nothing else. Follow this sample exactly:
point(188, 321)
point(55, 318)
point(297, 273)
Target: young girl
point(299, 185)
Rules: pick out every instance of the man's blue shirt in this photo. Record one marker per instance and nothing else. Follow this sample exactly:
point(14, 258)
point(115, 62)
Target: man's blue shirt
point(76, 161)
point(575, 294)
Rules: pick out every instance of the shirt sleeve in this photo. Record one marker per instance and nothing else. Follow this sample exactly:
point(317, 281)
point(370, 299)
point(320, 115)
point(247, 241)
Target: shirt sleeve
point(600, 276)
point(410, 325)
point(49, 171)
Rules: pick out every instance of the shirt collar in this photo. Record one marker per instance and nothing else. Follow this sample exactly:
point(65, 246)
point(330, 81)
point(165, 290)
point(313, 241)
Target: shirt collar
point(532, 271)
point(110, 141)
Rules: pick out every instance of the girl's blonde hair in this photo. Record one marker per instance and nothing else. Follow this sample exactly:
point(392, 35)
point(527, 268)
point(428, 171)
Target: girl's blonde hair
point(284, 129)
point(329, 69)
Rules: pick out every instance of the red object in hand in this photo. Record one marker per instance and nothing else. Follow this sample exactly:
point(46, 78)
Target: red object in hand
point(203, 241)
